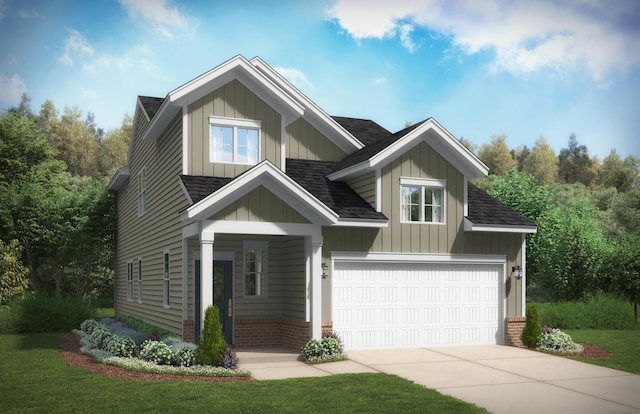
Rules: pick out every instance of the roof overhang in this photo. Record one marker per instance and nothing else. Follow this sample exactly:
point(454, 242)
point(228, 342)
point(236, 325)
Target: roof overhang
point(119, 178)
point(313, 113)
point(498, 228)
point(273, 179)
point(237, 68)
point(433, 134)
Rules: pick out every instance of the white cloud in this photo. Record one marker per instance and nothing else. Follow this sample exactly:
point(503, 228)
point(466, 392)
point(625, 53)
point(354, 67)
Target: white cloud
point(75, 45)
point(597, 36)
point(159, 13)
point(11, 90)
point(295, 76)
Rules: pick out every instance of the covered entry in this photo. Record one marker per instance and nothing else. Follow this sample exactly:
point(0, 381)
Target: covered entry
point(391, 304)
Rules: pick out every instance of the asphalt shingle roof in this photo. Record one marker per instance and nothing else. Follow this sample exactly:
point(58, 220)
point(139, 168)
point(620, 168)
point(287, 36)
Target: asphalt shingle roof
point(150, 105)
point(485, 209)
point(199, 187)
point(336, 195)
point(365, 130)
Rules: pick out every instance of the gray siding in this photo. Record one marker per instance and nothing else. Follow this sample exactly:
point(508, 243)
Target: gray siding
point(260, 205)
point(365, 186)
point(159, 229)
point(233, 100)
point(307, 143)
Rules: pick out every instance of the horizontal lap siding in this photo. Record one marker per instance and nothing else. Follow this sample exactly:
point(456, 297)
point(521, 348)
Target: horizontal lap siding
point(233, 100)
point(365, 186)
point(159, 229)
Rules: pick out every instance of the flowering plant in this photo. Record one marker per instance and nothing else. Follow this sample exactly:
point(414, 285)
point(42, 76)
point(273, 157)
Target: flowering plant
point(323, 350)
point(556, 341)
point(156, 352)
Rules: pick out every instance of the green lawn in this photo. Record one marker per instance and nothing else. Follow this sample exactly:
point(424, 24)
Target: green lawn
point(622, 344)
point(34, 379)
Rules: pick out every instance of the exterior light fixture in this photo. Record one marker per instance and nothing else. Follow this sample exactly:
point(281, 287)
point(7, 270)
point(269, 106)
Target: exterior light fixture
point(517, 272)
point(325, 271)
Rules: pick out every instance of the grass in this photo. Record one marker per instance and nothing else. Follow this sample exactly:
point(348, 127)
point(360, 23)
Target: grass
point(622, 344)
point(34, 379)
point(602, 311)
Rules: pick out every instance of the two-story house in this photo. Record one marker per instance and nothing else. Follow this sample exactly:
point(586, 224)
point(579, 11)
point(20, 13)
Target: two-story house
point(240, 192)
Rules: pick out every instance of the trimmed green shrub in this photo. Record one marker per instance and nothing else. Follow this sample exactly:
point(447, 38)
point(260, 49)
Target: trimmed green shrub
point(212, 342)
point(600, 311)
point(531, 331)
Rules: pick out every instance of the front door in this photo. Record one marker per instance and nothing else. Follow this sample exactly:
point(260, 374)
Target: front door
point(223, 295)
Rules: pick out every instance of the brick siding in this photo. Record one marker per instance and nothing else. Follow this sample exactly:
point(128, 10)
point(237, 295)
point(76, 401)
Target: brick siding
point(513, 330)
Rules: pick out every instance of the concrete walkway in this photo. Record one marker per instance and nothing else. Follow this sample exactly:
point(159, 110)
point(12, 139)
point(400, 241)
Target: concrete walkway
point(500, 378)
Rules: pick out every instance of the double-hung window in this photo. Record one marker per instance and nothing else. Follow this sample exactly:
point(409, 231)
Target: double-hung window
point(234, 141)
point(165, 277)
point(255, 268)
point(139, 280)
point(130, 281)
point(422, 200)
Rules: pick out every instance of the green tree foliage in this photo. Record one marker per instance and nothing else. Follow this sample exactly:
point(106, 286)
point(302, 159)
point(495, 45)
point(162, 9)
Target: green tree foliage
point(576, 166)
point(75, 142)
point(212, 342)
point(14, 280)
point(624, 270)
point(114, 148)
point(622, 175)
point(523, 193)
point(542, 162)
point(520, 154)
point(532, 330)
point(496, 156)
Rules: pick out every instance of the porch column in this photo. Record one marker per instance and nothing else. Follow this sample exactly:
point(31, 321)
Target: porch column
point(206, 273)
point(316, 285)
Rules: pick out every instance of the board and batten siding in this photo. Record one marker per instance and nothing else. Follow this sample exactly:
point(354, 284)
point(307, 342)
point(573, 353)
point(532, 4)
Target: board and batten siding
point(422, 161)
point(307, 143)
point(260, 205)
point(157, 230)
point(232, 100)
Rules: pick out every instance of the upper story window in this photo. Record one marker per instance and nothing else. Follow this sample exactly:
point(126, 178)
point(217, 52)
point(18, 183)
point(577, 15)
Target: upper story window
point(142, 193)
point(234, 141)
point(422, 200)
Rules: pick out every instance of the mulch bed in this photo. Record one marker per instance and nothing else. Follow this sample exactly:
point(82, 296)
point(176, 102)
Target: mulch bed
point(71, 352)
point(593, 352)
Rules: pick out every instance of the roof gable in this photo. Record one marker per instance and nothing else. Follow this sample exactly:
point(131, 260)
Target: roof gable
point(237, 68)
point(385, 149)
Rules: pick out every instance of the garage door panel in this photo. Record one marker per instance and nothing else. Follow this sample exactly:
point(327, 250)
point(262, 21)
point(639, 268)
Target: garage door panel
point(385, 305)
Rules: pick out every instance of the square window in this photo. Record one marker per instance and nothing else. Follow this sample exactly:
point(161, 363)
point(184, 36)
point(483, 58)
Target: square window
point(422, 200)
point(234, 141)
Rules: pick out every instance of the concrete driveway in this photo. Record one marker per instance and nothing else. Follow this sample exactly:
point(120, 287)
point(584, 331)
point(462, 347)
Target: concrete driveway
point(500, 378)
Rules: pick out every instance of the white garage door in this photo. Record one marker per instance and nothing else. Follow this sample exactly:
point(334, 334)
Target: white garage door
point(391, 305)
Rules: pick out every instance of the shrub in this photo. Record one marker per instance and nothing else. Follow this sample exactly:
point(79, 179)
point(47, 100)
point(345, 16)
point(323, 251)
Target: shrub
point(146, 328)
point(14, 276)
point(89, 325)
point(531, 331)
point(228, 358)
point(212, 342)
point(156, 352)
point(600, 311)
point(44, 313)
point(184, 357)
point(336, 336)
point(123, 346)
point(121, 329)
point(100, 336)
point(556, 341)
point(323, 350)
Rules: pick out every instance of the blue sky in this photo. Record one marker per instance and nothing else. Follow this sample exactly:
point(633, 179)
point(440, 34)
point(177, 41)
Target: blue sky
point(520, 68)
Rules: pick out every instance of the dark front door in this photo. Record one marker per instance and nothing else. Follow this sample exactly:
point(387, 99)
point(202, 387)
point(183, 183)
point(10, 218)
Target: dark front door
point(223, 295)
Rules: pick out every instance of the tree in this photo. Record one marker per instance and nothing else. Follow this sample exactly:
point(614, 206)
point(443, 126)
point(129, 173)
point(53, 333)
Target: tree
point(542, 162)
point(520, 154)
point(75, 143)
point(114, 147)
point(468, 144)
point(624, 268)
point(212, 342)
point(575, 164)
point(496, 156)
point(14, 281)
point(623, 175)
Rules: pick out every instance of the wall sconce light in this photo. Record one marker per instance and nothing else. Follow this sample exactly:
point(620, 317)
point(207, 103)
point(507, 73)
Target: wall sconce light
point(325, 271)
point(517, 272)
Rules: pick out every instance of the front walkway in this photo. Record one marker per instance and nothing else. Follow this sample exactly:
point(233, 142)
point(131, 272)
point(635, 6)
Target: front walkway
point(500, 378)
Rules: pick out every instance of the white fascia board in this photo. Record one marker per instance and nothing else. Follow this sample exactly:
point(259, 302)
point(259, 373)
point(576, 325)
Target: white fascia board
point(315, 115)
point(262, 228)
point(274, 180)
point(350, 222)
point(236, 68)
point(338, 256)
point(494, 228)
point(118, 179)
point(351, 171)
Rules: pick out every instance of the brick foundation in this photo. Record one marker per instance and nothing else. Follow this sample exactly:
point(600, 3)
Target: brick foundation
point(188, 331)
point(513, 330)
point(273, 332)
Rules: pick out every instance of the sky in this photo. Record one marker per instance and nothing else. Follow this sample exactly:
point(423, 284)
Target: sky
point(481, 68)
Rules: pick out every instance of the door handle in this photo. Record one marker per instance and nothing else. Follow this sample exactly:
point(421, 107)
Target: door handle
point(229, 308)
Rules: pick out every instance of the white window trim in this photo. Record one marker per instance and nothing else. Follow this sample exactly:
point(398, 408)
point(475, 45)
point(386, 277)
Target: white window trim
point(130, 281)
point(255, 245)
point(235, 123)
point(166, 278)
point(142, 193)
point(426, 183)
point(140, 280)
